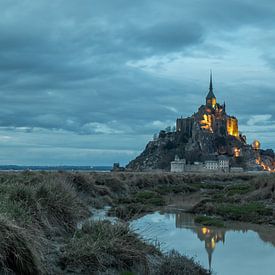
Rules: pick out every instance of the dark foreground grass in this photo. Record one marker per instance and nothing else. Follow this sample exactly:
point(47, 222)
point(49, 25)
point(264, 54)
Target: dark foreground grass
point(105, 247)
point(175, 264)
point(99, 246)
point(33, 211)
point(18, 252)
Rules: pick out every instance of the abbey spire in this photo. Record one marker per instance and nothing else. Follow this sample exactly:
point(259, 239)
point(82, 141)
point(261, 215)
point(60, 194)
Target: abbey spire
point(210, 98)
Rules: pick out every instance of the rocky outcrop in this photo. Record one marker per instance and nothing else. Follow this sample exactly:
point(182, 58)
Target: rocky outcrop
point(200, 146)
point(160, 152)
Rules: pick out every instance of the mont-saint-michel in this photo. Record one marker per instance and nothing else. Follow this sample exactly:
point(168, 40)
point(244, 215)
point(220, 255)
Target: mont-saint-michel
point(88, 84)
point(207, 141)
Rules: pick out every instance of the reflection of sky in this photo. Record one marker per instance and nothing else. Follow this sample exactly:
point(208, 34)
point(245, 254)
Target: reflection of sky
point(242, 253)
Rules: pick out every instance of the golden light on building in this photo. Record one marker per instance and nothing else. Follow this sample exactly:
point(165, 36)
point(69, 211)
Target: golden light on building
point(205, 230)
point(237, 152)
point(256, 145)
point(214, 102)
point(264, 165)
point(206, 122)
point(232, 126)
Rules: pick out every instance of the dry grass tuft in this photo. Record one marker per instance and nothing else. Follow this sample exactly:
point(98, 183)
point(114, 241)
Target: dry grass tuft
point(102, 245)
point(175, 264)
point(17, 251)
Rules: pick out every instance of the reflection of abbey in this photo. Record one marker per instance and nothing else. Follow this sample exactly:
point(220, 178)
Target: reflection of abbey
point(211, 117)
point(210, 236)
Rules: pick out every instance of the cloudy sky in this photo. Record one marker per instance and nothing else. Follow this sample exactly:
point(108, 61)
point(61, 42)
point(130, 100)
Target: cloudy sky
point(89, 82)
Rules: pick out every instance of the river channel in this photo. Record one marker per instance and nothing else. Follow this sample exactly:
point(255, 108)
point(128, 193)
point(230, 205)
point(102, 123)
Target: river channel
point(239, 248)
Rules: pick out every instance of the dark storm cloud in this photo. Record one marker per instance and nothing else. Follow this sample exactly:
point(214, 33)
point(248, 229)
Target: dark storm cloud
point(71, 66)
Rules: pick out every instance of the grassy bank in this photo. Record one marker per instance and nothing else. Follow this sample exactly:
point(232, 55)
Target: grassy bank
point(106, 248)
point(252, 201)
point(243, 197)
point(38, 216)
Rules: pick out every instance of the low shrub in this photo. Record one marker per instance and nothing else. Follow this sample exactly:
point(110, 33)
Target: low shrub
point(209, 221)
point(150, 197)
point(238, 189)
point(175, 264)
point(128, 211)
point(102, 245)
point(177, 188)
point(252, 211)
point(60, 204)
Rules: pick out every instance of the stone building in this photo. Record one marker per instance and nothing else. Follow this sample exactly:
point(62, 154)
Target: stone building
point(212, 165)
point(211, 118)
point(195, 168)
point(223, 162)
point(185, 125)
point(219, 165)
point(178, 165)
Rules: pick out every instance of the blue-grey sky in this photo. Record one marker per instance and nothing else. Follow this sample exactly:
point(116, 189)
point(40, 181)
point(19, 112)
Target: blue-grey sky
point(90, 82)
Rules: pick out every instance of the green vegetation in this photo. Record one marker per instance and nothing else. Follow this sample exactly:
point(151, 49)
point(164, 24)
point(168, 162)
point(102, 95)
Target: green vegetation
point(238, 189)
point(149, 197)
point(128, 211)
point(175, 188)
point(176, 264)
point(209, 221)
point(252, 208)
point(101, 245)
point(246, 212)
point(212, 185)
point(133, 206)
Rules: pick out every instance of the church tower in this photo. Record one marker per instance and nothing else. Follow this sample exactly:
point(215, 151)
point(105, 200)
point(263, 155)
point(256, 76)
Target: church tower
point(210, 98)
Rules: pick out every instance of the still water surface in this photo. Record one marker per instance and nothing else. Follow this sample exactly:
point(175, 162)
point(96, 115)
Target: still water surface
point(237, 249)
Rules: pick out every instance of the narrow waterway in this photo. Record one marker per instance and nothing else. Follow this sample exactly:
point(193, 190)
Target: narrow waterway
point(239, 248)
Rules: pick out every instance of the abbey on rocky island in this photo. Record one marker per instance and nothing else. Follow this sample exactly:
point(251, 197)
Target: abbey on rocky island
point(208, 138)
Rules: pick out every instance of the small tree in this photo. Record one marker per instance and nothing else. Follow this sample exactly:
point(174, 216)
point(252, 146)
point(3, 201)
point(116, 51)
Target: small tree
point(168, 129)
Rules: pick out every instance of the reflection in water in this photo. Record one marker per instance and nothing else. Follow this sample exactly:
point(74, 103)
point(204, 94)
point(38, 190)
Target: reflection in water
point(240, 248)
point(210, 236)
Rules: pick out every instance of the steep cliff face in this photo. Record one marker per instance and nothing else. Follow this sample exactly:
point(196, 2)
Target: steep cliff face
point(160, 152)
